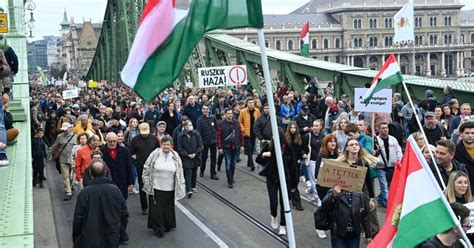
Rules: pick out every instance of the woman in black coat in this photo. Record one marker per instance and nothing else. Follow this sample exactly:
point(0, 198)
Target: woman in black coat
point(294, 140)
point(171, 117)
point(189, 148)
point(267, 157)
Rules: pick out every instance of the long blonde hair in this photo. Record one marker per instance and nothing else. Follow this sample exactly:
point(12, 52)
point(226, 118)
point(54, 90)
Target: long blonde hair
point(450, 192)
point(366, 158)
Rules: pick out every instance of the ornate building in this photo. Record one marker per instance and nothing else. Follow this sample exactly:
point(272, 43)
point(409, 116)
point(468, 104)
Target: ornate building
point(76, 45)
point(360, 33)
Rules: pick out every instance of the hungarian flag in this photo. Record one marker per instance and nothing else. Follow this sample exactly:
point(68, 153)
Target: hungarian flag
point(166, 37)
point(417, 209)
point(389, 75)
point(304, 35)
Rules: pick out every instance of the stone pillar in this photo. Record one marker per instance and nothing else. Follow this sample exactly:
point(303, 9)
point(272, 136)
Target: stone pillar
point(413, 66)
point(461, 63)
point(352, 60)
point(398, 58)
point(443, 64)
point(428, 65)
point(458, 73)
point(383, 59)
point(368, 62)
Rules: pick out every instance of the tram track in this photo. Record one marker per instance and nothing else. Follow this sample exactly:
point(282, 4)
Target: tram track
point(262, 226)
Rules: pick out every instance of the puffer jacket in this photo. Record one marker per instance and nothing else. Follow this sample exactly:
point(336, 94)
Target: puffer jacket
point(149, 173)
point(244, 120)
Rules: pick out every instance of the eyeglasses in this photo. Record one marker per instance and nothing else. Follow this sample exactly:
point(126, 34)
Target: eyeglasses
point(468, 226)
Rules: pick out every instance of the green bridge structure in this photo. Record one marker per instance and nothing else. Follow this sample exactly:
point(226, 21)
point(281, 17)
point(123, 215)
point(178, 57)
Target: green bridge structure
point(216, 49)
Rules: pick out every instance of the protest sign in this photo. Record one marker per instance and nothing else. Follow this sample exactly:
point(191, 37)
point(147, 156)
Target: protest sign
point(332, 173)
point(222, 76)
point(381, 101)
point(69, 94)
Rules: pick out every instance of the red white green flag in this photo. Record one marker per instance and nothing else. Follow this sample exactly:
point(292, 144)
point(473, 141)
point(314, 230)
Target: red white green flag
point(389, 75)
point(416, 207)
point(166, 37)
point(304, 35)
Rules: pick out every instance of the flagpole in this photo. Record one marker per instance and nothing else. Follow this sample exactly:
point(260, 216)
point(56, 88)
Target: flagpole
point(443, 197)
point(424, 136)
point(276, 140)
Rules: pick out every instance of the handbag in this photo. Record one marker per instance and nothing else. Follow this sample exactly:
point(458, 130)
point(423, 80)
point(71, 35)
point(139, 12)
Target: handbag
point(262, 163)
point(323, 218)
point(57, 152)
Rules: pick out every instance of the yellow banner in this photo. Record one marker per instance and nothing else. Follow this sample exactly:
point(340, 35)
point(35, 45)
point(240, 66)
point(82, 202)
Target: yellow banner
point(3, 23)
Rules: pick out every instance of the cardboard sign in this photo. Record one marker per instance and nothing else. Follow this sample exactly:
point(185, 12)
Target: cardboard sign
point(92, 84)
point(69, 94)
point(381, 101)
point(332, 173)
point(3, 23)
point(222, 76)
point(471, 216)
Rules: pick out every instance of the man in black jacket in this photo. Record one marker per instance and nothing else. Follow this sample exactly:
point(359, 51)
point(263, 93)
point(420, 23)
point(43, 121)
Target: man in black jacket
point(445, 150)
point(100, 210)
point(304, 120)
point(141, 147)
point(465, 149)
point(263, 127)
point(207, 127)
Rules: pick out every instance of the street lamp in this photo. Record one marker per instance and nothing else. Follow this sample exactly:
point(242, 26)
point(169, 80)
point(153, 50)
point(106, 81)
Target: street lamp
point(30, 6)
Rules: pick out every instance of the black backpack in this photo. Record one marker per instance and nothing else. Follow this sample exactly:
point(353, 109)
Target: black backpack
point(323, 218)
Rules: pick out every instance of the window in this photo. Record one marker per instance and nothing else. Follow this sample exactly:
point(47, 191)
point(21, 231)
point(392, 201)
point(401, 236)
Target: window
point(290, 45)
point(419, 40)
point(447, 21)
point(337, 43)
point(338, 59)
point(472, 38)
point(266, 43)
point(278, 45)
point(357, 42)
point(357, 24)
point(301, 44)
point(419, 22)
point(373, 41)
point(433, 39)
point(448, 39)
point(433, 21)
point(314, 44)
point(326, 58)
point(373, 23)
point(326, 44)
point(388, 41)
point(389, 22)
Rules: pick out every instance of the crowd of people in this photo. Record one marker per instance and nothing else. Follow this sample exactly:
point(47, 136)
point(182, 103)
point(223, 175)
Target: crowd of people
point(108, 136)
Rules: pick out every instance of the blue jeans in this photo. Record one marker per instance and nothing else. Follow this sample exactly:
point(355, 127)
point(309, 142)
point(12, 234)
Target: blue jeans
point(230, 156)
point(338, 242)
point(3, 131)
point(304, 171)
point(383, 196)
point(312, 177)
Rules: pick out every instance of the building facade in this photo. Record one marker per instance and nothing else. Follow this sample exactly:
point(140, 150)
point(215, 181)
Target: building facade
point(360, 33)
point(76, 46)
point(37, 54)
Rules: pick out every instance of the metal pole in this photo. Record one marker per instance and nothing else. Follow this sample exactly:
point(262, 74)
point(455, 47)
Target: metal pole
point(424, 135)
point(276, 139)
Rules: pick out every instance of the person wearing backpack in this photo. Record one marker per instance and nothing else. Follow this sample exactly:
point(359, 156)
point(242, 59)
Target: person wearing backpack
point(349, 216)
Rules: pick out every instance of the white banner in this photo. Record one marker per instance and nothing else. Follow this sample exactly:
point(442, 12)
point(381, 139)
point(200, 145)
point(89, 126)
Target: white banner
point(222, 76)
point(69, 94)
point(381, 101)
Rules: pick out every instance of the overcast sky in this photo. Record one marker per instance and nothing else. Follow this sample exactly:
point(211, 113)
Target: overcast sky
point(49, 13)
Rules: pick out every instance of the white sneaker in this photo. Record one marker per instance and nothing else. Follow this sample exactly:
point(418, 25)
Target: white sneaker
point(308, 184)
point(321, 234)
point(135, 191)
point(194, 190)
point(282, 231)
point(3, 162)
point(275, 223)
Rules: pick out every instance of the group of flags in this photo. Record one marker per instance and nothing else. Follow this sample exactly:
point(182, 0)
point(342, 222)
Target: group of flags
point(165, 39)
